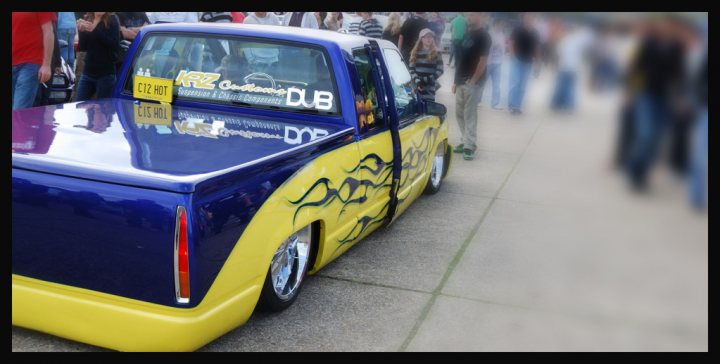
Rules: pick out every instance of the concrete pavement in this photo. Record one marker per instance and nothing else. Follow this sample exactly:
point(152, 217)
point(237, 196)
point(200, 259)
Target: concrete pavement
point(535, 245)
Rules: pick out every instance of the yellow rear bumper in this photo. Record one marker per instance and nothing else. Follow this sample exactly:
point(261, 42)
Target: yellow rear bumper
point(121, 323)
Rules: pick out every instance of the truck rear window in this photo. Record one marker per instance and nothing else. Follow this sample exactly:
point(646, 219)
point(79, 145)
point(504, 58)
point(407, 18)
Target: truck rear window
point(239, 71)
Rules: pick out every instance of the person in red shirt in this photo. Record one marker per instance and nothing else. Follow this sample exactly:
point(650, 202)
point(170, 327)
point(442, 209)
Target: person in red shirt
point(238, 16)
point(32, 49)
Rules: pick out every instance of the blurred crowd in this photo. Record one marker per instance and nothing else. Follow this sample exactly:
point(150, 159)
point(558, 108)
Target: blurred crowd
point(658, 62)
point(664, 113)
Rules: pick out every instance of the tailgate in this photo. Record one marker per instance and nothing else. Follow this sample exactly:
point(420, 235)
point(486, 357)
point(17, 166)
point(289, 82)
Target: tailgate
point(99, 236)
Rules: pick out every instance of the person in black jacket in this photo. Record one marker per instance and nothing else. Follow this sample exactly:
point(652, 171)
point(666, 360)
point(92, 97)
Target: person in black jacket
point(103, 42)
point(658, 71)
point(409, 33)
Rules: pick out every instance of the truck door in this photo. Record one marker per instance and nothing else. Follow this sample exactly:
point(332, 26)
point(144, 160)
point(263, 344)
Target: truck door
point(375, 143)
point(416, 131)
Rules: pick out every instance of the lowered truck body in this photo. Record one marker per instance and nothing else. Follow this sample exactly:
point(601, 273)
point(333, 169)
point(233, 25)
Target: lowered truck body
point(146, 225)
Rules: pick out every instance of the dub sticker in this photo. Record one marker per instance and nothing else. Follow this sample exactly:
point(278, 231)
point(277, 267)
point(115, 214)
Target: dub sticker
point(322, 100)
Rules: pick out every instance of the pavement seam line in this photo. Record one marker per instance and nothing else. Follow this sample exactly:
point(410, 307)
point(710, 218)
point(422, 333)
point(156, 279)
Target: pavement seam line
point(373, 284)
point(468, 194)
point(456, 259)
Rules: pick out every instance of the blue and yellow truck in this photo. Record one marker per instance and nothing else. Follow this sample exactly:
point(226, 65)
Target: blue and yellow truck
point(231, 161)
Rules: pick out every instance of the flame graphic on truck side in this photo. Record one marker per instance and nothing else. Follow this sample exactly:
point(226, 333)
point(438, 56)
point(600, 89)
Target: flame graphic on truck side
point(414, 161)
point(382, 171)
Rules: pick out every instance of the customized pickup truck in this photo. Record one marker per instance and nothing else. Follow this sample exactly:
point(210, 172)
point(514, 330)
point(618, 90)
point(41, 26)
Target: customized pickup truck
point(230, 162)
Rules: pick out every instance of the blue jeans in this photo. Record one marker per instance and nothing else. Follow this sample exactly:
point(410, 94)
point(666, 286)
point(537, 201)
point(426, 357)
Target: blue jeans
point(68, 53)
point(102, 87)
point(519, 73)
point(564, 96)
point(494, 70)
point(25, 85)
point(698, 165)
point(650, 119)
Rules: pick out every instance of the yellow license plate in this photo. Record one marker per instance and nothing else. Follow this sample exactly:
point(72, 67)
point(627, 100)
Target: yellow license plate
point(153, 114)
point(152, 88)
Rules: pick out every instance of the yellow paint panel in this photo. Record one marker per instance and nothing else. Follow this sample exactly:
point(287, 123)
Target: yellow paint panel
point(123, 324)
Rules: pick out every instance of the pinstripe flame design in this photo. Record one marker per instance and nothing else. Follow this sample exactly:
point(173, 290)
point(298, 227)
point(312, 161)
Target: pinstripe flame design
point(378, 168)
point(414, 161)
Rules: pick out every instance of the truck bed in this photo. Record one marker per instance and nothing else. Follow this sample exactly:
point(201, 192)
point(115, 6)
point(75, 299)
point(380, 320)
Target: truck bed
point(114, 140)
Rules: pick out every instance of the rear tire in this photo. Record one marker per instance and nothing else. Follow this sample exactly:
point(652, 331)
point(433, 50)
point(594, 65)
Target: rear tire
point(437, 171)
point(287, 271)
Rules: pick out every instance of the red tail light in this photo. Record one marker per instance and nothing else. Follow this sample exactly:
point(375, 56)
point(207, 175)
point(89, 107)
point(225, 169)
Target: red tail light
point(182, 266)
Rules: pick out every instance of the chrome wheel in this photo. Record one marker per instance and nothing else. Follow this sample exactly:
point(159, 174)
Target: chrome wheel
point(438, 170)
point(289, 264)
point(438, 166)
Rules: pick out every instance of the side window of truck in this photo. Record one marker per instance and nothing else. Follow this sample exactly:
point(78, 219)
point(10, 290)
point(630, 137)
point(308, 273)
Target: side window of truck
point(403, 88)
point(369, 113)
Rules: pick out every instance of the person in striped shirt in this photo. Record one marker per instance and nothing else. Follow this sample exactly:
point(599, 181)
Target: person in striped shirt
point(354, 26)
point(369, 26)
point(426, 65)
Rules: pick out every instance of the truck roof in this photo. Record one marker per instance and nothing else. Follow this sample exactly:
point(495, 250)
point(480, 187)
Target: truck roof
point(316, 36)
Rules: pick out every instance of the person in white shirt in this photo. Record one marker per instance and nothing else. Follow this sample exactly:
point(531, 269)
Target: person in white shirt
point(305, 19)
point(158, 17)
point(266, 18)
point(570, 50)
point(497, 54)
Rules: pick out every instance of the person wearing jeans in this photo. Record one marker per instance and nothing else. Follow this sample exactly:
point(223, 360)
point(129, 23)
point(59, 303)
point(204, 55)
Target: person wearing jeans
point(659, 63)
point(570, 49)
point(564, 95)
point(494, 70)
point(524, 48)
point(497, 53)
point(66, 32)
point(699, 163)
point(103, 41)
point(100, 86)
point(651, 118)
point(519, 74)
point(24, 85)
point(470, 76)
point(32, 48)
